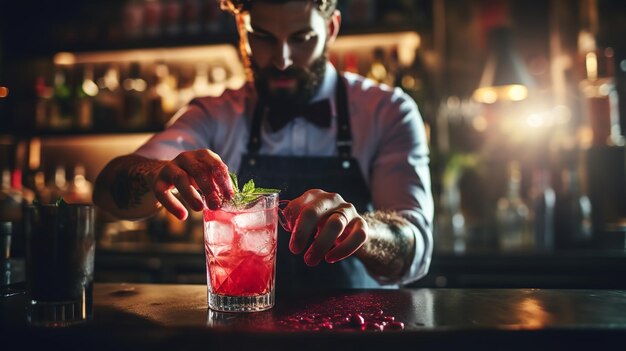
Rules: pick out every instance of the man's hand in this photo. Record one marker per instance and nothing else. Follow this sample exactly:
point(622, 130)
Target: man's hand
point(134, 187)
point(189, 171)
point(331, 225)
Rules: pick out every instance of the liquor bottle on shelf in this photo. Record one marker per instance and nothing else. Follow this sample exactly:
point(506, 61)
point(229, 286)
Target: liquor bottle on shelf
point(154, 99)
point(10, 199)
point(108, 108)
point(167, 89)
point(192, 15)
point(153, 11)
point(62, 111)
point(172, 13)
point(378, 68)
point(572, 212)
point(43, 103)
point(351, 62)
point(133, 19)
point(212, 17)
point(86, 91)
point(134, 116)
point(512, 214)
point(79, 189)
point(543, 199)
point(56, 186)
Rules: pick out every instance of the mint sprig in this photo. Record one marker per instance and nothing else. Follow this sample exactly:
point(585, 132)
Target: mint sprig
point(249, 193)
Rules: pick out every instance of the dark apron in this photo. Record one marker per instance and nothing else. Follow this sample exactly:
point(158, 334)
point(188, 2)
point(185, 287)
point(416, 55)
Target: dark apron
point(295, 175)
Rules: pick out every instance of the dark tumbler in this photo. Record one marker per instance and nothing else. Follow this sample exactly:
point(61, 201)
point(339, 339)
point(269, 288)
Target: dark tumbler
point(60, 248)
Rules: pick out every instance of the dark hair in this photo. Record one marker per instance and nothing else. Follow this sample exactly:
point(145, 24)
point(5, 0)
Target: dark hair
point(325, 7)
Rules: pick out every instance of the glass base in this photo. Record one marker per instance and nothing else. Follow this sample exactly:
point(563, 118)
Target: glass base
point(58, 314)
point(257, 303)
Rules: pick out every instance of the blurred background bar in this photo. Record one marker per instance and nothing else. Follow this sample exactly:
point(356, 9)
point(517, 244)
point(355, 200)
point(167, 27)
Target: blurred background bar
point(524, 104)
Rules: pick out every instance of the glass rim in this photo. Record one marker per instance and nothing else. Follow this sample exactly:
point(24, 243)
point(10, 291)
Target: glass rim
point(51, 205)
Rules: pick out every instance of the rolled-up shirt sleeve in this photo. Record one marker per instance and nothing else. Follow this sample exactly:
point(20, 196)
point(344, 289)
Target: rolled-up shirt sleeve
point(400, 177)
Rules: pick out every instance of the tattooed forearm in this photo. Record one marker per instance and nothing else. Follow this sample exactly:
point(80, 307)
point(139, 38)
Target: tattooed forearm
point(131, 182)
point(390, 247)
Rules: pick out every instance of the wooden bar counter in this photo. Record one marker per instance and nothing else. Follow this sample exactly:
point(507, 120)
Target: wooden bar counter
point(175, 317)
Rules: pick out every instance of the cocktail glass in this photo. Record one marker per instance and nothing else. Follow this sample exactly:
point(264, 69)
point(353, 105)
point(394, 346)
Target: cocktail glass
point(240, 248)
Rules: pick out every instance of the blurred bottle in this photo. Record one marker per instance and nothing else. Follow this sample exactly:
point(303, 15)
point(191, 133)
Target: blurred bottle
point(201, 86)
point(351, 62)
point(79, 189)
point(108, 106)
point(378, 68)
point(56, 186)
point(219, 79)
point(415, 80)
point(87, 90)
point(512, 214)
point(42, 192)
point(543, 200)
point(154, 99)
point(12, 263)
point(153, 11)
point(572, 212)
point(135, 110)
point(172, 17)
point(167, 89)
point(62, 111)
point(10, 199)
point(186, 78)
point(192, 16)
point(133, 19)
point(43, 103)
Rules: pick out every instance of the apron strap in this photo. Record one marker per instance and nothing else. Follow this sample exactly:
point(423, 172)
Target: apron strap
point(254, 142)
point(344, 133)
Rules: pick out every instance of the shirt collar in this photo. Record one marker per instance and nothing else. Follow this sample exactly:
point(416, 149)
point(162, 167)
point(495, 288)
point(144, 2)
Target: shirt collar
point(327, 89)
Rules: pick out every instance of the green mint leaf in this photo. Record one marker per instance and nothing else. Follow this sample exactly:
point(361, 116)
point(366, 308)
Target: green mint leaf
point(248, 194)
point(262, 191)
point(248, 187)
point(233, 180)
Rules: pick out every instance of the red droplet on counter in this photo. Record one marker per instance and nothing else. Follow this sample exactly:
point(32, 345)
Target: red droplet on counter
point(357, 320)
point(394, 326)
point(372, 326)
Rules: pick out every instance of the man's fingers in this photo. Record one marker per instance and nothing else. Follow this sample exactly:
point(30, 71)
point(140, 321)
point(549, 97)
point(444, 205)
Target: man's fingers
point(187, 191)
point(335, 224)
point(169, 201)
point(222, 181)
point(352, 242)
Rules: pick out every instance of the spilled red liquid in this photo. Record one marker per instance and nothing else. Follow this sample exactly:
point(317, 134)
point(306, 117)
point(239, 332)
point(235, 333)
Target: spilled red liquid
point(349, 313)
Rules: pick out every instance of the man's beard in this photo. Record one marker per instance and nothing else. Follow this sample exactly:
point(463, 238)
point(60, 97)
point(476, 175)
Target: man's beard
point(308, 82)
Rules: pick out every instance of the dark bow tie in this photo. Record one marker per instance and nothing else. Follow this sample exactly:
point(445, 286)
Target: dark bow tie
point(318, 113)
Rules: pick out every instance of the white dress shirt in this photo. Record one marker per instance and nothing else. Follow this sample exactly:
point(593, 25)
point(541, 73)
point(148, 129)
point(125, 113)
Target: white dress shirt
point(388, 141)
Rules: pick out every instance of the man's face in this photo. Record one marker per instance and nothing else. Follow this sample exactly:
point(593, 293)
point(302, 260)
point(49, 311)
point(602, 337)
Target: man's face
point(287, 50)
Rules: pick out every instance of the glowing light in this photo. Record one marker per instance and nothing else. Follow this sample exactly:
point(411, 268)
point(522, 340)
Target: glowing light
point(4, 92)
point(486, 95)
point(535, 120)
point(622, 65)
point(64, 58)
point(591, 63)
point(517, 92)
point(90, 87)
point(480, 123)
point(562, 114)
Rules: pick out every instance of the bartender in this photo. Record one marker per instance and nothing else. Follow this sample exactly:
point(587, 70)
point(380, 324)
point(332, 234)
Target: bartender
point(351, 155)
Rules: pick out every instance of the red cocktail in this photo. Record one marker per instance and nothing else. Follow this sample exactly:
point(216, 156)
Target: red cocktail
point(240, 247)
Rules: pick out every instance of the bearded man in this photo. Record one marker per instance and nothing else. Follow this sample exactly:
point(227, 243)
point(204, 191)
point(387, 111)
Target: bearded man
point(351, 155)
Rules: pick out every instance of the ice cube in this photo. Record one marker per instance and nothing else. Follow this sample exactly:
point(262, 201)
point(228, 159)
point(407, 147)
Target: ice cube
point(219, 235)
point(250, 220)
point(259, 241)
